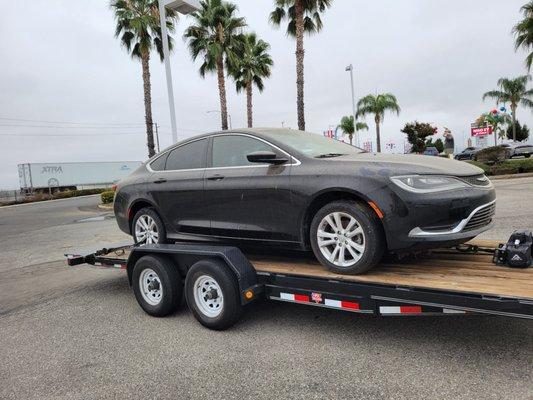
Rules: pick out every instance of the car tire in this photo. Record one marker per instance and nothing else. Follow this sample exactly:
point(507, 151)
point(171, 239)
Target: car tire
point(149, 214)
point(361, 245)
point(157, 285)
point(212, 278)
point(527, 155)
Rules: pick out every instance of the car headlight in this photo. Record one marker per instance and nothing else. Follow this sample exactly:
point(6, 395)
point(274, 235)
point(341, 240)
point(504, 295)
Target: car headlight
point(428, 183)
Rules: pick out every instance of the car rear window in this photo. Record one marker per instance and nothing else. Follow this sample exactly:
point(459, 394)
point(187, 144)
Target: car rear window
point(189, 156)
point(159, 163)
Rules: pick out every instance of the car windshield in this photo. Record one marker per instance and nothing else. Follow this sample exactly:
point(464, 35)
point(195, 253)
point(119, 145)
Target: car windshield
point(312, 144)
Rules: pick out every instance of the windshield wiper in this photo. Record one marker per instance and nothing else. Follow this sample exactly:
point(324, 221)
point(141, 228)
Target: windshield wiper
point(330, 155)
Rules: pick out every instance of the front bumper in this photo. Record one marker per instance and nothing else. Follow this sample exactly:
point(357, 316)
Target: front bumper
point(442, 219)
point(478, 221)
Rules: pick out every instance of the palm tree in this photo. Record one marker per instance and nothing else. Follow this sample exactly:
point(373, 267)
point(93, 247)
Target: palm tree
point(348, 128)
point(524, 32)
point(255, 64)
point(139, 30)
point(515, 92)
point(303, 16)
point(378, 104)
point(216, 36)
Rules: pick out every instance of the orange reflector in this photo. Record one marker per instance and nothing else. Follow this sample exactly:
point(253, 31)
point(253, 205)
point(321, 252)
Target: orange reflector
point(376, 209)
point(248, 294)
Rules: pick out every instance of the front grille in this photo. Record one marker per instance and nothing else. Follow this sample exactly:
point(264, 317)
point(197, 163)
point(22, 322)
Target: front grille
point(481, 218)
point(476, 180)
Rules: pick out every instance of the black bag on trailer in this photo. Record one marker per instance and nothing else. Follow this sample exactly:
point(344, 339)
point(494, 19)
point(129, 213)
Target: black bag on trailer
point(517, 252)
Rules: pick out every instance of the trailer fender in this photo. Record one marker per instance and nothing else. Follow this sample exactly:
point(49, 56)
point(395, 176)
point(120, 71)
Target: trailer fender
point(185, 256)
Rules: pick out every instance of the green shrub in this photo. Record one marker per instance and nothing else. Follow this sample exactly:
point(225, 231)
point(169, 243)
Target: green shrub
point(484, 167)
point(493, 155)
point(107, 197)
point(525, 165)
point(506, 167)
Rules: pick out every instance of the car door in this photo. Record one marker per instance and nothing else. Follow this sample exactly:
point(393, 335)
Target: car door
point(178, 190)
point(247, 200)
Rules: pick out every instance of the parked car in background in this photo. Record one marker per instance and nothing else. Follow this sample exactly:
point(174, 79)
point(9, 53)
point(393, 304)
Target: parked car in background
point(293, 189)
point(468, 154)
point(518, 150)
point(431, 151)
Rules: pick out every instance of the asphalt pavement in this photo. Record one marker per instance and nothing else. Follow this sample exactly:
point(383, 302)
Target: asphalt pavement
point(78, 333)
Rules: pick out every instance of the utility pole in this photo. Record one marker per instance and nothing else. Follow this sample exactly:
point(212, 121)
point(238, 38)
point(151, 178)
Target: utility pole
point(350, 68)
point(184, 7)
point(157, 137)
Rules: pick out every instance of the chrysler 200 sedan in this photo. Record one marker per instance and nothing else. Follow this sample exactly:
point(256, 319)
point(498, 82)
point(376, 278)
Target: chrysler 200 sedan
point(301, 190)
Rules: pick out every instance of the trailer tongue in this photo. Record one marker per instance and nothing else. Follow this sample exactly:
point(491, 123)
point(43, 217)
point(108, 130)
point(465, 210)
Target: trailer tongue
point(220, 280)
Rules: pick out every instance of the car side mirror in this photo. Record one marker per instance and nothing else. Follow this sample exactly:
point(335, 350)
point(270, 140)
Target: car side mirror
point(266, 157)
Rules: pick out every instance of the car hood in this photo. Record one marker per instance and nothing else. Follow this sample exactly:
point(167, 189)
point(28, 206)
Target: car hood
point(395, 164)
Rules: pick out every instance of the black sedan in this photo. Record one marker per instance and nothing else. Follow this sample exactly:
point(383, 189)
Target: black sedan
point(467, 154)
point(300, 190)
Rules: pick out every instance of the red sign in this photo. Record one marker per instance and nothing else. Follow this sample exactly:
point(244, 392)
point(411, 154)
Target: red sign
point(482, 131)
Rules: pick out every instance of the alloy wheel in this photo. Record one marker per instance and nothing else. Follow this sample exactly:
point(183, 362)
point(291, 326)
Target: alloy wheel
point(146, 230)
point(341, 239)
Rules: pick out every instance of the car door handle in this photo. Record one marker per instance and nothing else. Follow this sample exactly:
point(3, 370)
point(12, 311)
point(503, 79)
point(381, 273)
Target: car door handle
point(160, 180)
point(215, 178)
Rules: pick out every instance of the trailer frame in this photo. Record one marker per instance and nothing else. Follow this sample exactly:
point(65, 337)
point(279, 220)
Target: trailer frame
point(357, 297)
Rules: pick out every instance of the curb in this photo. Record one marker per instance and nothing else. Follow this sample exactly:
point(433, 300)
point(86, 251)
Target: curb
point(47, 201)
point(106, 207)
point(511, 176)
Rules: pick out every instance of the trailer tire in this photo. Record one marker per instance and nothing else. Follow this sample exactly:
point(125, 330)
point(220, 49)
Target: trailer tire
point(212, 294)
point(157, 285)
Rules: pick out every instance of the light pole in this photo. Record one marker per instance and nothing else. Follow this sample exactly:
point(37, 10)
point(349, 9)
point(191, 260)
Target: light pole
point(220, 112)
point(183, 7)
point(350, 68)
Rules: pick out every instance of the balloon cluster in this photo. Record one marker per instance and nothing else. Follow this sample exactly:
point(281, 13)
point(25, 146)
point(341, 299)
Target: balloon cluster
point(496, 112)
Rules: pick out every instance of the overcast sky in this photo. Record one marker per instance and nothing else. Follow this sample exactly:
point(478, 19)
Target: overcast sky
point(60, 62)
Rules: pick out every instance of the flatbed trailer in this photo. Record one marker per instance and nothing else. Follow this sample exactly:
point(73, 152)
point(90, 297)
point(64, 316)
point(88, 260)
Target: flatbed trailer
point(218, 281)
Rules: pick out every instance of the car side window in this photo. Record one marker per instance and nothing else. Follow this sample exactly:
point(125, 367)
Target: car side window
point(189, 156)
point(231, 150)
point(159, 163)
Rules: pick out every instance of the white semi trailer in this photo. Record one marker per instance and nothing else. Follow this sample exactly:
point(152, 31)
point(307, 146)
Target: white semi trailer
point(39, 177)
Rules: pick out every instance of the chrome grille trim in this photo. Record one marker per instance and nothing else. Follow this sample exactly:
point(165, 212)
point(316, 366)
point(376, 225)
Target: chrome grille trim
point(479, 218)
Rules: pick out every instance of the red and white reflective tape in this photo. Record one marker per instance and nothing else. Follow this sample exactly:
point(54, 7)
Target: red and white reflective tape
point(396, 310)
point(400, 309)
point(316, 298)
point(302, 298)
point(342, 305)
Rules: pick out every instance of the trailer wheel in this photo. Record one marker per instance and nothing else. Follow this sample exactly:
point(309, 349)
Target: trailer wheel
point(212, 294)
point(157, 285)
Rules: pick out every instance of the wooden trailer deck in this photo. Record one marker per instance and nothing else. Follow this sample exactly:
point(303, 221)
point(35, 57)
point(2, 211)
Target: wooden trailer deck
point(445, 270)
point(442, 270)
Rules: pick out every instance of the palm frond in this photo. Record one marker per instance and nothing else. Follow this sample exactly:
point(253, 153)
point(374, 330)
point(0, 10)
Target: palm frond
point(138, 26)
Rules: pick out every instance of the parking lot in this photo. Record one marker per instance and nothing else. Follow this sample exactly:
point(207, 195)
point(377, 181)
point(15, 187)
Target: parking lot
point(79, 333)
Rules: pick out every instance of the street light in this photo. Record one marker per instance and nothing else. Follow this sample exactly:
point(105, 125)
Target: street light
point(350, 68)
point(220, 112)
point(183, 7)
